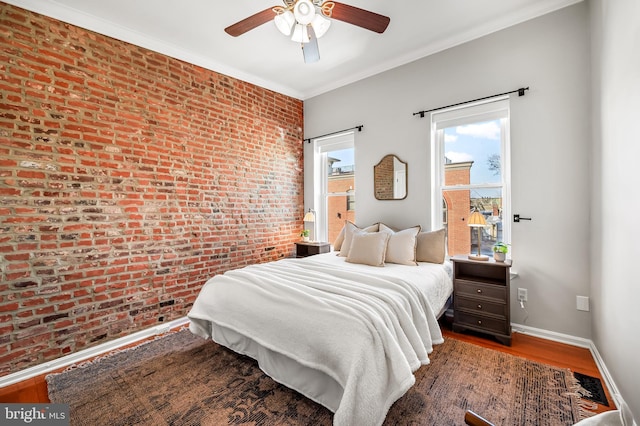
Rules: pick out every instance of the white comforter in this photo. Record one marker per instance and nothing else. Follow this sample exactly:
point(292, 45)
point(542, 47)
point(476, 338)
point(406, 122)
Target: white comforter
point(368, 329)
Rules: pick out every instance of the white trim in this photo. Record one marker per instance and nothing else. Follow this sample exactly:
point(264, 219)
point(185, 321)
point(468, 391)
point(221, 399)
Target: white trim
point(322, 147)
point(552, 335)
point(492, 109)
point(606, 376)
point(575, 341)
point(85, 354)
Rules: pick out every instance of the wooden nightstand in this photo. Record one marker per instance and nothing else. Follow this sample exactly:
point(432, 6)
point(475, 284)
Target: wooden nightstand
point(304, 249)
point(481, 297)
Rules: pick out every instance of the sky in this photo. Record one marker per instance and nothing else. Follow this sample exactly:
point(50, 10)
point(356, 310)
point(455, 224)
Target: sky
point(345, 156)
point(474, 142)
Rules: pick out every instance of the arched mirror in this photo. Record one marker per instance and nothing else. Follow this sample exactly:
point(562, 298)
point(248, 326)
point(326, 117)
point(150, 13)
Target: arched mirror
point(390, 178)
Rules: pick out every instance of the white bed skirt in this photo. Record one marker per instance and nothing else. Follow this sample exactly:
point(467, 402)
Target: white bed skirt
point(312, 383)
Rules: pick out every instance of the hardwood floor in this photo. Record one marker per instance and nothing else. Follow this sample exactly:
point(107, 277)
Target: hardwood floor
point(544, 351)
point(541, 350)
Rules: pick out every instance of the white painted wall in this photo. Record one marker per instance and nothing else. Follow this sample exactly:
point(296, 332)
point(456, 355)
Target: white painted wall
point(551, 137)
point(615, 205)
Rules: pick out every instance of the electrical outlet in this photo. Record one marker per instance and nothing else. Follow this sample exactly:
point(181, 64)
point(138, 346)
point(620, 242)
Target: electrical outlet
point(522, 295)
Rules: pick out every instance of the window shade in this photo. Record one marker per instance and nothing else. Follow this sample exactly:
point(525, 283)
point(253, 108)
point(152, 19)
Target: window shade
point(335, 143)
point(485, 111)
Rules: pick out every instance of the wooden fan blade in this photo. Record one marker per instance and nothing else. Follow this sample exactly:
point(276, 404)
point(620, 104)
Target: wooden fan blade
point(310, 50)
point(360, 17)
point(250, 23)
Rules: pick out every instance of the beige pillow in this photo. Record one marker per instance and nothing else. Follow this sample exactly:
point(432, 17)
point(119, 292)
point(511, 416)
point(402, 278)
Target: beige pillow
point(337, 244)
point(431, 246)
point(401, 248)
point(349, 230)
point(368, 248)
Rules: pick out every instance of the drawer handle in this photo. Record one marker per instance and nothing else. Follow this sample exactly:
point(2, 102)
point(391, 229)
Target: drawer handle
point(479, 306)
point(479, 322)
point(479, 291)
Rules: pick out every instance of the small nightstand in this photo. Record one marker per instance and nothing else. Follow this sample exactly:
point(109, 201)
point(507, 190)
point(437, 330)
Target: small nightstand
point(304, 249)
point(481, 297)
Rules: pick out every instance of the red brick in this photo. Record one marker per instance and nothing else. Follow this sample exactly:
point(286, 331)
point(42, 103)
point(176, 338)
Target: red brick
point(129, 196)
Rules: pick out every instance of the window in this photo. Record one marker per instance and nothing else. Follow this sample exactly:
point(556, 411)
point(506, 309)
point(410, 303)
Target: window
point(334, 157)
point(351, 202)
point(471, 172)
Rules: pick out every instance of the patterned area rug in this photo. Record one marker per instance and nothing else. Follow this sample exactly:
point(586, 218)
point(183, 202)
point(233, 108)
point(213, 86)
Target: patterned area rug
point(181, 379)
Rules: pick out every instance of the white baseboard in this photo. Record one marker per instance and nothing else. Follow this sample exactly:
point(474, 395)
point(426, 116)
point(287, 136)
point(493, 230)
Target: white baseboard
point(49, 366)
point(552, 335)
point(575, 341)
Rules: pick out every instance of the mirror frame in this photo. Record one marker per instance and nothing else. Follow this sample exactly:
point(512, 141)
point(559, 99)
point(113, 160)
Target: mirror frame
point(379, 178)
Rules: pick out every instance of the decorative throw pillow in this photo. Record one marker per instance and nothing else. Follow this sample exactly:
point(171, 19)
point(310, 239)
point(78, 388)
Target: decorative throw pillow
point(431, 246)
point(349, 230)
point(337, 244)
point(401, 248)
point(368, 248)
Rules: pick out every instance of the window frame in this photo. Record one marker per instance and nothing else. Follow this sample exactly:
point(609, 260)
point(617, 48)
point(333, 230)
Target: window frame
point(486, 110)
point(322, 146)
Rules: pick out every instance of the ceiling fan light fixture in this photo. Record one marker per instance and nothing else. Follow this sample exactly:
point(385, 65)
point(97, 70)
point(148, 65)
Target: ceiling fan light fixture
point(300, 34)
point(304, 11)
point(304, 21)
point(284, 22)
point(320, 25)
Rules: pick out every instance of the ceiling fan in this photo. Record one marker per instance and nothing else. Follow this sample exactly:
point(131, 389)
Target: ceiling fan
point(305, 21)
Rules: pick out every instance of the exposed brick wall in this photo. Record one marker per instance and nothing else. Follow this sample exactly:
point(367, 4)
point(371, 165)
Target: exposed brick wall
point(458, 208)
point(127, 179)
point(337, 205)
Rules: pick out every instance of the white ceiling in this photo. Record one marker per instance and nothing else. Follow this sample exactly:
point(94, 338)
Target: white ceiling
point(193, 31)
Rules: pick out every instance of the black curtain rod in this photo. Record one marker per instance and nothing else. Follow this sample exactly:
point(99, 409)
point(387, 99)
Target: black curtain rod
point(519, 91)
point(335, 133)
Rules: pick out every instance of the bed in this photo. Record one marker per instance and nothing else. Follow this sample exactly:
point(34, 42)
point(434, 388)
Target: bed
point(345, 334)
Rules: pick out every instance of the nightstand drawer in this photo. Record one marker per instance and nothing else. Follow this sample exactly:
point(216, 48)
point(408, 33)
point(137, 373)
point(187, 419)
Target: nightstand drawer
point(480, 306)
point(483, 323)
point(476, 289)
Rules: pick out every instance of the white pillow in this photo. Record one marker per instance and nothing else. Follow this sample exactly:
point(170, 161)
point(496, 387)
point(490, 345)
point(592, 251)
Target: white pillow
point(401, 248)
point(349, 230)
point(337, 244)
point(368, 248)
point(431, 246)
